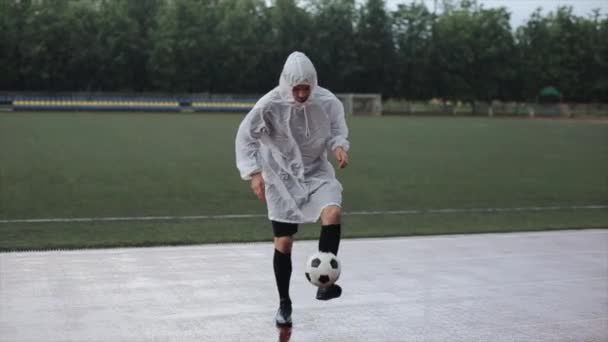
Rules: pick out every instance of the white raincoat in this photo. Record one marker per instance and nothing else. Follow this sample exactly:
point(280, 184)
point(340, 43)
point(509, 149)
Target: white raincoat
point(288, 142)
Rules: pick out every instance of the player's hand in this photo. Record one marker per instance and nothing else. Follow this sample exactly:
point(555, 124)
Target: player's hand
point(257, 185)
point(341, 157)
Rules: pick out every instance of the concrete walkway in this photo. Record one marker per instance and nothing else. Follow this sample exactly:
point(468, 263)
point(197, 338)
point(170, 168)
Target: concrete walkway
point(546, 286)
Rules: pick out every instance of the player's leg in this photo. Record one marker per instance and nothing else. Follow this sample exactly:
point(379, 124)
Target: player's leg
point(283, 242)
point(329, 241)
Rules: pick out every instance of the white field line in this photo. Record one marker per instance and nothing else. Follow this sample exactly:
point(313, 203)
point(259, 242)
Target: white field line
point(351, 213)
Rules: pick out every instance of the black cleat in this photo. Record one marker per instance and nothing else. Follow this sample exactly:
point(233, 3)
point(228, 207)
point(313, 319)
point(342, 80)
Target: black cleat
point(330, 292)
point(283, 317)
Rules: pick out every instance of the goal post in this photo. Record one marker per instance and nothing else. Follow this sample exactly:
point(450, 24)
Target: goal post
point(361, 104)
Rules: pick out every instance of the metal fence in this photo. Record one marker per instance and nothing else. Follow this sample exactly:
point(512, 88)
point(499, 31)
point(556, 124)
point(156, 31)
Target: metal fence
point(358, 104)
point(495, 108)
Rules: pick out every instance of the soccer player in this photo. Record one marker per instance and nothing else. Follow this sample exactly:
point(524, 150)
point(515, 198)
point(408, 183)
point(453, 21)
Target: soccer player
point(281, 147)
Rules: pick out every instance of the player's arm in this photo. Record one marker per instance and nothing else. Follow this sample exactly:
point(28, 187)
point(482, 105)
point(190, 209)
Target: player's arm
point(338, 143)
point(247, 147)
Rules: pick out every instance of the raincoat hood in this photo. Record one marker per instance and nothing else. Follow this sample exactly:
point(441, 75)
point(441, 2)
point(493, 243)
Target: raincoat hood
point(298, 69)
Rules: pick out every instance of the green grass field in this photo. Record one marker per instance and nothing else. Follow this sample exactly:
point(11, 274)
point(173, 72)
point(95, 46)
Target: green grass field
point(63, 165)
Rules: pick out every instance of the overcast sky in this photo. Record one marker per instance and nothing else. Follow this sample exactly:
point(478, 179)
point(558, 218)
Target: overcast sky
point(521, 9)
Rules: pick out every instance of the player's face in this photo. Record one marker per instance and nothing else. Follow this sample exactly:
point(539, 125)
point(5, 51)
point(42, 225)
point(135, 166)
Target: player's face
point(301, 92)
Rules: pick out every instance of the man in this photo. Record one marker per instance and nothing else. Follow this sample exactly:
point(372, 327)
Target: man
point(281, 147)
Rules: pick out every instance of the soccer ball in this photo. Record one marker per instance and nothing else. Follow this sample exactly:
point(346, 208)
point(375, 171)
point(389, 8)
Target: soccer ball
point(322, 269)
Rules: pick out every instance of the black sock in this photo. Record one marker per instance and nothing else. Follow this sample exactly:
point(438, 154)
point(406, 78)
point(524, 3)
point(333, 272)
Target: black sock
point(330, 238)
point(282, 274)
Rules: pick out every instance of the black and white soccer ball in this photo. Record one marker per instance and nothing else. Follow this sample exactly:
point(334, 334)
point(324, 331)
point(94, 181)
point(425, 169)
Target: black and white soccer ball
point(322, 269)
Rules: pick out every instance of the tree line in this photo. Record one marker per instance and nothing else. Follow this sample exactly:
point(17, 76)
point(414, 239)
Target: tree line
point(461, 50)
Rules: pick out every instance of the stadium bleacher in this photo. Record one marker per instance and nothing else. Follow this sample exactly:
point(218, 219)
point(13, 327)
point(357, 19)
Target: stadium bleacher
point(122, 104)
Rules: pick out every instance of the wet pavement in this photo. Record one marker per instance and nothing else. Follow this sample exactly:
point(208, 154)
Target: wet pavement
point(542, 286)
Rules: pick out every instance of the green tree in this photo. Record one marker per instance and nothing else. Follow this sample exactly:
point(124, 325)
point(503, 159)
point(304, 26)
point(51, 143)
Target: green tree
point(45, 54)
point(453, 55)
point(564, 51)
point(116, 44)
point(375, 49)
point(463, 51)
point(162, 64)
point(142, 13)
point(473, 53)
point(82, 67)
point(494, 55)
point(533, 47)
point(334, 36)
point(600, 57)
point(244, 38)
point(12, 22)
point(412, 30)
point(595, 58)
point(186, 47)
point(290, 30)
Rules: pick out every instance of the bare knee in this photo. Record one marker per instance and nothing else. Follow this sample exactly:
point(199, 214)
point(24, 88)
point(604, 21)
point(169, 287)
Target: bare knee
point(331, 215)
point(283, 244)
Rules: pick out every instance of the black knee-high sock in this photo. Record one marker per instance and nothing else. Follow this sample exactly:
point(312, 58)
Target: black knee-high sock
point(282, 273)
point(330, 238)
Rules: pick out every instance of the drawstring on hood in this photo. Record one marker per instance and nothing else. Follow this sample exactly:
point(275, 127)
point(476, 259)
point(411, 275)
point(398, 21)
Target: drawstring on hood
point(298, 70)
point(307, 134)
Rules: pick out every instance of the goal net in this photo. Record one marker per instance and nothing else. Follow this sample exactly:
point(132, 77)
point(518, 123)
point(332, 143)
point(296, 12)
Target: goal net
point(361, 104)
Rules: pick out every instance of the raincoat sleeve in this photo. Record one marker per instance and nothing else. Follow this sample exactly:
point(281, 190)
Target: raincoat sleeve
point(247, 143)
point(339, 130)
